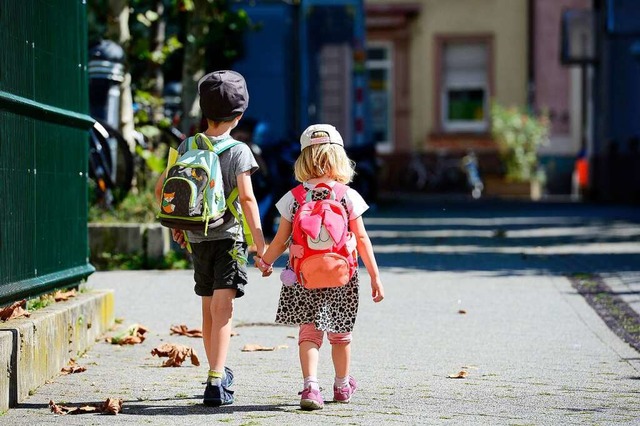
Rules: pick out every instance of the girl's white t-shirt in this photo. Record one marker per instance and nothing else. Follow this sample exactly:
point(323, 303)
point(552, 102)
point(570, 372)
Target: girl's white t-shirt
point(356, 205)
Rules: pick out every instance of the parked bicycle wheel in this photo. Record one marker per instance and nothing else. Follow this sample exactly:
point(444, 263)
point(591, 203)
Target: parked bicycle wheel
point(110, 164)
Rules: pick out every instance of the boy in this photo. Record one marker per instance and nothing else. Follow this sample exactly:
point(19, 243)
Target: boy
point(219, 258)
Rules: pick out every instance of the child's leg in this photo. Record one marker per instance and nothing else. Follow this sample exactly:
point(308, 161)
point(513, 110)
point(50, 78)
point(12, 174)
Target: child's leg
point(340, 353)
point(217, 315)
point(309, 342)
point(344, 385)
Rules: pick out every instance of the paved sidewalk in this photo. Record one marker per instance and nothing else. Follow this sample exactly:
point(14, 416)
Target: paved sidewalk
point(534, 350)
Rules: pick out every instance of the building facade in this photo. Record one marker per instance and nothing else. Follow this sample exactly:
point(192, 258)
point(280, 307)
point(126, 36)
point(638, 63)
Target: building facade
point(434, 67)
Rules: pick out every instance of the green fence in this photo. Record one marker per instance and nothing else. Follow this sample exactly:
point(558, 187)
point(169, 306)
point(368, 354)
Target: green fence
point(43, 146)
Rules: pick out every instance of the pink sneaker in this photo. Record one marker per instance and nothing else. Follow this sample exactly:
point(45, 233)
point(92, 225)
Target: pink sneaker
point(311, 399)
point(344, 394)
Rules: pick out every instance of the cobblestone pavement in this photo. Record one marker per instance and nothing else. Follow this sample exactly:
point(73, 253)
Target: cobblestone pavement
point(475, 287)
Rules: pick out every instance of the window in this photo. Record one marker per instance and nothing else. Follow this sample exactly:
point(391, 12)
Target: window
point(380, 77)
point(465, 86)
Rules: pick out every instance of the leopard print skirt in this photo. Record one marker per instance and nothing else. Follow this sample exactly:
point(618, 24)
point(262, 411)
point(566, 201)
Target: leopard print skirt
point(329, 309)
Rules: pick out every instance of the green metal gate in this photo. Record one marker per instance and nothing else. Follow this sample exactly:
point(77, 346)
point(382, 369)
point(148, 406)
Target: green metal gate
point(43, 146)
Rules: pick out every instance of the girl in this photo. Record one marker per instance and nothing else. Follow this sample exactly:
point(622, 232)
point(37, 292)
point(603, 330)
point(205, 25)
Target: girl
point(323, 160)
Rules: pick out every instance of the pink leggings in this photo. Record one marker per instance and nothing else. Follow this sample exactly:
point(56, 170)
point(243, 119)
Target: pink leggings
point(309, 333)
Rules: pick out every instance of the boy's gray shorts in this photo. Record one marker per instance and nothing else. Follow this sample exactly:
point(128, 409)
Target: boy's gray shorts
point(215, 268)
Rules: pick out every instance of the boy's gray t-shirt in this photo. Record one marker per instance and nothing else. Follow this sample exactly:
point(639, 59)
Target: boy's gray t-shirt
point(234, 161)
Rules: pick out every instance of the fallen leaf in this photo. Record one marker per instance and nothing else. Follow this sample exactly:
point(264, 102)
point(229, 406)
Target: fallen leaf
point(60, 296)
point(460, 375)
point(15, 310)
point(256, 348)
point(183, 330)
point(110, 406)
point(55, 409)
point(73, 367)
point(176, 354)
point(132, 335)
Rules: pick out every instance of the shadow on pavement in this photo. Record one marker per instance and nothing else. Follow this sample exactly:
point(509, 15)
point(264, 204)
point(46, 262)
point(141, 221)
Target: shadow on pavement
point(148, 408)
point(506, 238)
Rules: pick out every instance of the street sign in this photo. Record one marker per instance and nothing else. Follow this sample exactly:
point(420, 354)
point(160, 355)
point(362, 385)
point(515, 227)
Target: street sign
point(578, 37)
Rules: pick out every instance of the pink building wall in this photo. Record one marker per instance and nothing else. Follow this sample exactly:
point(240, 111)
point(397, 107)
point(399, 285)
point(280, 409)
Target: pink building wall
point(552, 79)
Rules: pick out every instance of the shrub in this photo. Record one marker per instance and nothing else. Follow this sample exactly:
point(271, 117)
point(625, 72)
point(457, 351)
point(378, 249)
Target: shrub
point(519, 135)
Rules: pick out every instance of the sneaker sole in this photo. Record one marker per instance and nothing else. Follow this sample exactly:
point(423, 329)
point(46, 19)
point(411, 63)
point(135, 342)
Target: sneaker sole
point(310, 404)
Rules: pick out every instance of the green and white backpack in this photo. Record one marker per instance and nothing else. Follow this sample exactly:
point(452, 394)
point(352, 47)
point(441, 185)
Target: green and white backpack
point(193, 195)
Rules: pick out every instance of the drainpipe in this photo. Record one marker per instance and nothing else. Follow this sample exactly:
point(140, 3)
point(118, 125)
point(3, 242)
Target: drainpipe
point(531, 74)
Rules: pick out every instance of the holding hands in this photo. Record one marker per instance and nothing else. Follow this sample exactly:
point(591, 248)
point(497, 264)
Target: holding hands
point(265, 268)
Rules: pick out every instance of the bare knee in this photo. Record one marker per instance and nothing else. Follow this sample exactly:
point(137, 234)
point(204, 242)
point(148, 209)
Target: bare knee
point(222, 304)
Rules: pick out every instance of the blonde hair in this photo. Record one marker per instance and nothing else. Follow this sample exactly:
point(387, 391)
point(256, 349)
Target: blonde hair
point(324, 159)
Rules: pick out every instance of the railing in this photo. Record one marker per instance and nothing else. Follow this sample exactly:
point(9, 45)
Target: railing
point(44, 126)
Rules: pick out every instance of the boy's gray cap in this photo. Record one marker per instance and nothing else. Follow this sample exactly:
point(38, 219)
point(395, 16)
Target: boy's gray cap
point(223, 95)
point(308, 138)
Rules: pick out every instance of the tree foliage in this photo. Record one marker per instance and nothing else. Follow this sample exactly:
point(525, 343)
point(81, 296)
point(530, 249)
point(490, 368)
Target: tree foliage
point(170, 40)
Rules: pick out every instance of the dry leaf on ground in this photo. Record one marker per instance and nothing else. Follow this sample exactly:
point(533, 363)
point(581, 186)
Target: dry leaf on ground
point(459, 375)
point(73, 367)
point(183, 330)
point(110, 406)
point(252, 347)
point(132, 335)
point(15, 310)
point(176, 353)
point(60, 296)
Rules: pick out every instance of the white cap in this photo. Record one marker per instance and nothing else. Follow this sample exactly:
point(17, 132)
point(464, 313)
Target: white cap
point(307, 137)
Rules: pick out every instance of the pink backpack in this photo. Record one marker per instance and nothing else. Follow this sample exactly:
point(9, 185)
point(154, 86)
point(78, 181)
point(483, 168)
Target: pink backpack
point(322, 253)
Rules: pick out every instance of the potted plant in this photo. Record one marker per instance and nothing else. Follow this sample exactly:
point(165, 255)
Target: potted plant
point(519, 134)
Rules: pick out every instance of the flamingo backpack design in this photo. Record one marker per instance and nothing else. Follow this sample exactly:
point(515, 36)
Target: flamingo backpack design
point(322, 253)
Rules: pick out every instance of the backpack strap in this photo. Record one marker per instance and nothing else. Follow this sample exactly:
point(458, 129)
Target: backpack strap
point(300, 194)
point(241, 218)
point(340, 190)
point(217, 147)
point(223, 145)
point(193, 141)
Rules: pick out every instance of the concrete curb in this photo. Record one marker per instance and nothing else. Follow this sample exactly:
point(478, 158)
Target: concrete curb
point(34, 350)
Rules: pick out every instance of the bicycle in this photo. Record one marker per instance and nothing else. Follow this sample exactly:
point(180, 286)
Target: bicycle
point(111, 164)
point(447, 174)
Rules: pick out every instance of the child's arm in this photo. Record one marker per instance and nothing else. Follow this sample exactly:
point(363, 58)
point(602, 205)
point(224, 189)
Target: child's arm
point(250, 210)
point(365, 250)
point(158, 187)
point(276, 248)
